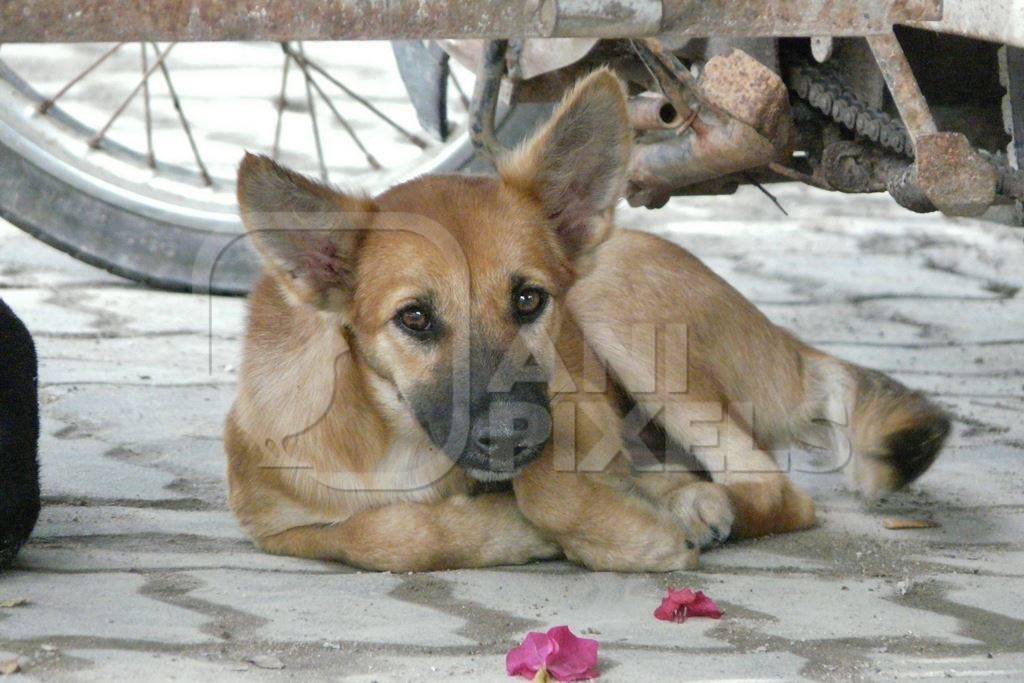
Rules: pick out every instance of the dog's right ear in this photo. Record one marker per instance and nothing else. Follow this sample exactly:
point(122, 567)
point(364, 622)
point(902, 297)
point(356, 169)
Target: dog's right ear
point(308, 233)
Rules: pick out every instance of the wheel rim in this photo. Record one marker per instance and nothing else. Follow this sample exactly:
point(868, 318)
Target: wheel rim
point(333, 138)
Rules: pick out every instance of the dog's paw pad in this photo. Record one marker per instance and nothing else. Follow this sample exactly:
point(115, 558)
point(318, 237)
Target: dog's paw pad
point(704, 511)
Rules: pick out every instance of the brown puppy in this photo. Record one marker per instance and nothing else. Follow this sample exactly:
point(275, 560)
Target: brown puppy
point(506, 327)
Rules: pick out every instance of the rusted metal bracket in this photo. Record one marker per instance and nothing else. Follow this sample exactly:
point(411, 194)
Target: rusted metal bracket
point(947, 170)
point(917, 117)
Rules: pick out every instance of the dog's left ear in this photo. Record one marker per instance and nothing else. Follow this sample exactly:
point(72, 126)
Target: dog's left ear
point(577, 165)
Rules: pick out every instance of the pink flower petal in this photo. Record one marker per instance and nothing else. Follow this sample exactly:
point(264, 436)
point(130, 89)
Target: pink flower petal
point(682, 597)
point(680, 604)
point(669, 610)
point(527, 659)
point(574, 659)
point(703, 606)
point(666, 611)
point(565, 656)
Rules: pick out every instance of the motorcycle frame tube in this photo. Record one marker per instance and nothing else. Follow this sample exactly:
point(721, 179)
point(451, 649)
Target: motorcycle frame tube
point(54, 21)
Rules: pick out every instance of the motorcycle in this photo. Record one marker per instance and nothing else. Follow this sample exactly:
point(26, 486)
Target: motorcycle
point(922, 99)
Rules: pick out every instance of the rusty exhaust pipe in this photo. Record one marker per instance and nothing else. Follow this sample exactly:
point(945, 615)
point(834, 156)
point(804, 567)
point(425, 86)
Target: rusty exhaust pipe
point(710, 149)
point(746, 124)
point(653, 111)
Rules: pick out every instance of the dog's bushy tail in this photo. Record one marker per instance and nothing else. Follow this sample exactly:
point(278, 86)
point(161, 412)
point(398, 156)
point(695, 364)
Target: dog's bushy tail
point(885, 434)
point(19, 435)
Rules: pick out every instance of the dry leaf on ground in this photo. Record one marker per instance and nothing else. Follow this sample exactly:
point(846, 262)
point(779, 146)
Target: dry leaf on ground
point(15, 602)
point(901, 523)
point(266, 662)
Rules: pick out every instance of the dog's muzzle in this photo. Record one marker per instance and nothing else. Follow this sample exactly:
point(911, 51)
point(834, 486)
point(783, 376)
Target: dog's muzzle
point(492, 421)
point(506, 438)
point(496, 441)
point(489, 468)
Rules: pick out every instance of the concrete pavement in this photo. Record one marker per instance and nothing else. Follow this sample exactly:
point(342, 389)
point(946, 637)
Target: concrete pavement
point(137, 570)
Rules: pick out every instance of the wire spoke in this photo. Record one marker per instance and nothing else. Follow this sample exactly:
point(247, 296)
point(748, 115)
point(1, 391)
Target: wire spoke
point(47, 103)
point(311, 103)
point(150, 155)
point(181, 112)
point(282, 102)
point(458, 88)
point(321, 86)
point(95, 141)
point(412, 137)
point(370, 159)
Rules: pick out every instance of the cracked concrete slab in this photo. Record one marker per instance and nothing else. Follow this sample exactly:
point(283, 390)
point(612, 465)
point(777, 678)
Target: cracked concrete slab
point(137, 569)
point(617, 607)
point(117, 608)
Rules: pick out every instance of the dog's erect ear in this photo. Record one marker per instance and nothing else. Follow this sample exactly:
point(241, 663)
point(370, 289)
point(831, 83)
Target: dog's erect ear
point(577, 165)
point(308, 233)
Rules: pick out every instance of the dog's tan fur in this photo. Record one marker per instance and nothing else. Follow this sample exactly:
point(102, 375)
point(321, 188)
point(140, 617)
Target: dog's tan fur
point(326, 460)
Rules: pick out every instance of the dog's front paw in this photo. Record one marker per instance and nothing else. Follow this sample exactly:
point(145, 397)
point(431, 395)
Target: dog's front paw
point(543, 549)
point(665, 551)
point(704, 511)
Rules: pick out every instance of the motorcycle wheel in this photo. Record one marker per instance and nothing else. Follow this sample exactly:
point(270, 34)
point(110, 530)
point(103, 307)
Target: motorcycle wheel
point(104, 149)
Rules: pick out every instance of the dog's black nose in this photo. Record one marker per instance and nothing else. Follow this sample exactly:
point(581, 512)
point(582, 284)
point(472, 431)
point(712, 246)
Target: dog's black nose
point(497, 436)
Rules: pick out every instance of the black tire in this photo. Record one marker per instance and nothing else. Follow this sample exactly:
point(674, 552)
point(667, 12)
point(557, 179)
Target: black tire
point(161, 253)
point(156, 253)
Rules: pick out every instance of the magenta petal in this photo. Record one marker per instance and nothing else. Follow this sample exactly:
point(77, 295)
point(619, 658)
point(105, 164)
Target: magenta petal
point(671, 606)
point(703, 606)
point(682, 597)
point(678, 605)
point(527, 659)
point(667, 610)
point(574, 658)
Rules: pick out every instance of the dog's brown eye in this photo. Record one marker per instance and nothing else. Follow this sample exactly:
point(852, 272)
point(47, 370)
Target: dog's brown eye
point(528, 303)
point(415, 319)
